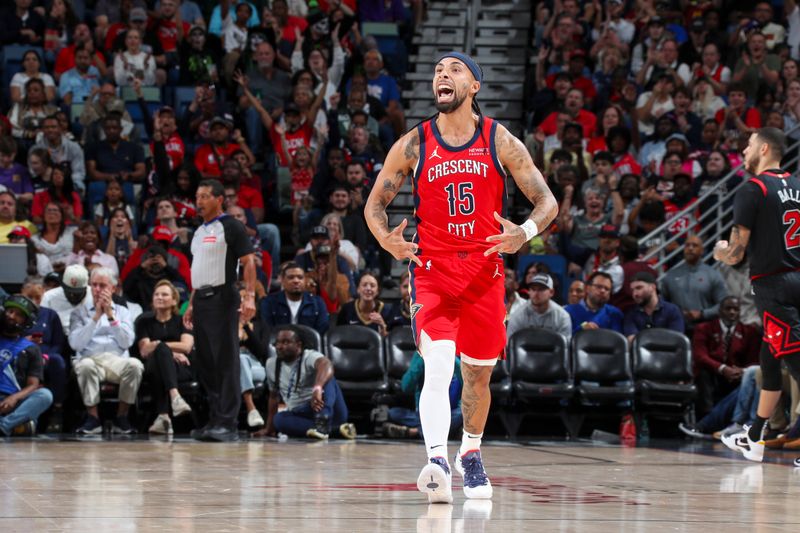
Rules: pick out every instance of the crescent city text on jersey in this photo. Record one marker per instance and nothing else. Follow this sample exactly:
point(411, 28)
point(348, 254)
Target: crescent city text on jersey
point(457, 166)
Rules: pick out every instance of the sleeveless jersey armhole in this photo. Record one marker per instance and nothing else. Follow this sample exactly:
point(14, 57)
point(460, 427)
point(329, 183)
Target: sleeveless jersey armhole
point(493, 148)
point(420, 161)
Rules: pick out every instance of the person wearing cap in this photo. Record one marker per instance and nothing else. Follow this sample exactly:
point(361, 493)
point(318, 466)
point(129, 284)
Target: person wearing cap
point(163, 129)
point(457, 270)
point(540, 311)
point(38, 264)
point(763, 20)
point(22, 398)
point(69, 295)
point(650, 311)
point(694, 286)
point(100, 334)
point(309, 260)
point(48, 333)
point(547, 100)
point(142, 281)
point(176, 255)
point(113, 157)
point(170, 28)
point(8, 216)
point(210, 158)
point(606, 258)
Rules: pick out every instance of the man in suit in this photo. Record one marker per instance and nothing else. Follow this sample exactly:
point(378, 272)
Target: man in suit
point(722, 349)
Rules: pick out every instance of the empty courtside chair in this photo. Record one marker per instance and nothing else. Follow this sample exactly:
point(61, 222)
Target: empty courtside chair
point(662, 370)
point(541, 376)
point(358, 361)
point(602, 373)
point(400, 348)
point(601, 366)
point(540, 365)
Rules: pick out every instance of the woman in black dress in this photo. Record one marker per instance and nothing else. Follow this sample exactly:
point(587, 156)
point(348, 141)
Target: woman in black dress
point(164, 345)
point(367, 309)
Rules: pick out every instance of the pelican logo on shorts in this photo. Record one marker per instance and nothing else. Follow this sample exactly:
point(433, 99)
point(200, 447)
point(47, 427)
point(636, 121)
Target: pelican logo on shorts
point(435, 153)
point(414, 309)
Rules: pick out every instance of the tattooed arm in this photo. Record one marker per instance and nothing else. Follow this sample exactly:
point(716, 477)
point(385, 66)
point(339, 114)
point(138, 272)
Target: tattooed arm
point(515, 158)
point(732, 252)
point(400, 162)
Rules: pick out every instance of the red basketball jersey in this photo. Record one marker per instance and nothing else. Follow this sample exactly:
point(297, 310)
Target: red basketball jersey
point(457, 190)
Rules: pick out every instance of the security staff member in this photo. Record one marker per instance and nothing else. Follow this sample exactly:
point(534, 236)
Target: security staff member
point(218, 246)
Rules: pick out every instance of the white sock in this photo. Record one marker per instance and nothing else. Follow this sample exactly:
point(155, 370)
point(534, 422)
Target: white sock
point(434, 400)
point(470, 442)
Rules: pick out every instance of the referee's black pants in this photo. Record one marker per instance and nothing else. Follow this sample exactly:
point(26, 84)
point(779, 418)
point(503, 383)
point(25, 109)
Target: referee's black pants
point(216, 340)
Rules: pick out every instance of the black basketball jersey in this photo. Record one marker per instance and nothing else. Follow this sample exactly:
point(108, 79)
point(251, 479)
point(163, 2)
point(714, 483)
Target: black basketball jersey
point(769, 206)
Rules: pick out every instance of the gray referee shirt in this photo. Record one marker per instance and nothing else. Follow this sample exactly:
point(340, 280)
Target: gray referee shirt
point(216, 249)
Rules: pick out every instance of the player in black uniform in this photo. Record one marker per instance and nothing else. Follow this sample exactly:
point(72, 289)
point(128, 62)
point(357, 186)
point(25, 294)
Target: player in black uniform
point(767, 226)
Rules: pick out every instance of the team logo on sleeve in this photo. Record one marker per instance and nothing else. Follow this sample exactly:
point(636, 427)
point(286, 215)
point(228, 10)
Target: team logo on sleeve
point(414, 309)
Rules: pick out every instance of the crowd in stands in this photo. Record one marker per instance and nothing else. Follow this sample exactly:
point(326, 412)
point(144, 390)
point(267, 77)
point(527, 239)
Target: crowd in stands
point(114, 112)
point(636, 109)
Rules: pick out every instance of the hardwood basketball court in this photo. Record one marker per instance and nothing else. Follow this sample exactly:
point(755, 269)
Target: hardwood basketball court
point(181, 485)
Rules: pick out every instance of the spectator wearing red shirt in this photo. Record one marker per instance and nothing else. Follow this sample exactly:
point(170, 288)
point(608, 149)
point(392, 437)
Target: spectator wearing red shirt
point(169, 28)
point(60, 191)
point(573, 106)
point(210, 157)
point(609, 118)
point(576, 69)
point(172, 141)
point(286, 23)
point(249, 198)
point(65, 59)
point(618, 140)
point(737, 119)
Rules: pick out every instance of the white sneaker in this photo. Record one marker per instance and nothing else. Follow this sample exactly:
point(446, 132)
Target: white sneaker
point(254, 419)
point(435, 480)
point(476, 482)
point(162, 425)
point(740, 442)
point(179, 406)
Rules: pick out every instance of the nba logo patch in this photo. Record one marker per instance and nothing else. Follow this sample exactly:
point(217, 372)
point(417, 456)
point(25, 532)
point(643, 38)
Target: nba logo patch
point(414, 309)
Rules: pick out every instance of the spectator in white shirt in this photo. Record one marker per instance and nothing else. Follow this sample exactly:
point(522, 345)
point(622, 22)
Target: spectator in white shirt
point(234, 35)
point(134, 63)
point(70, 295)
point(101, 333)
point(31, 65)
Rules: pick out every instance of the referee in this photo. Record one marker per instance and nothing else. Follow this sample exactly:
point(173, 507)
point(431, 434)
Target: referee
point(218, 246)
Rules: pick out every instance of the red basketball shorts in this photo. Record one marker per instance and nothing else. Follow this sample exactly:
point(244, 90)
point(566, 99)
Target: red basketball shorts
point(461, 298)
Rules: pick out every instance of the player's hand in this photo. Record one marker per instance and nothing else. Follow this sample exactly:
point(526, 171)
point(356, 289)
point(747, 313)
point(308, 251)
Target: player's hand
point(511, 240)
point(720, 250)
point(399, 247)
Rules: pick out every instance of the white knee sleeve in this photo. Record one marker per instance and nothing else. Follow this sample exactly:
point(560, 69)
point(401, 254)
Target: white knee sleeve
point(434, 400)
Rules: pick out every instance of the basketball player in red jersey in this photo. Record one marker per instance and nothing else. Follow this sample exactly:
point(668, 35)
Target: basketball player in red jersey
point(459, 160)
point(767, 225)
